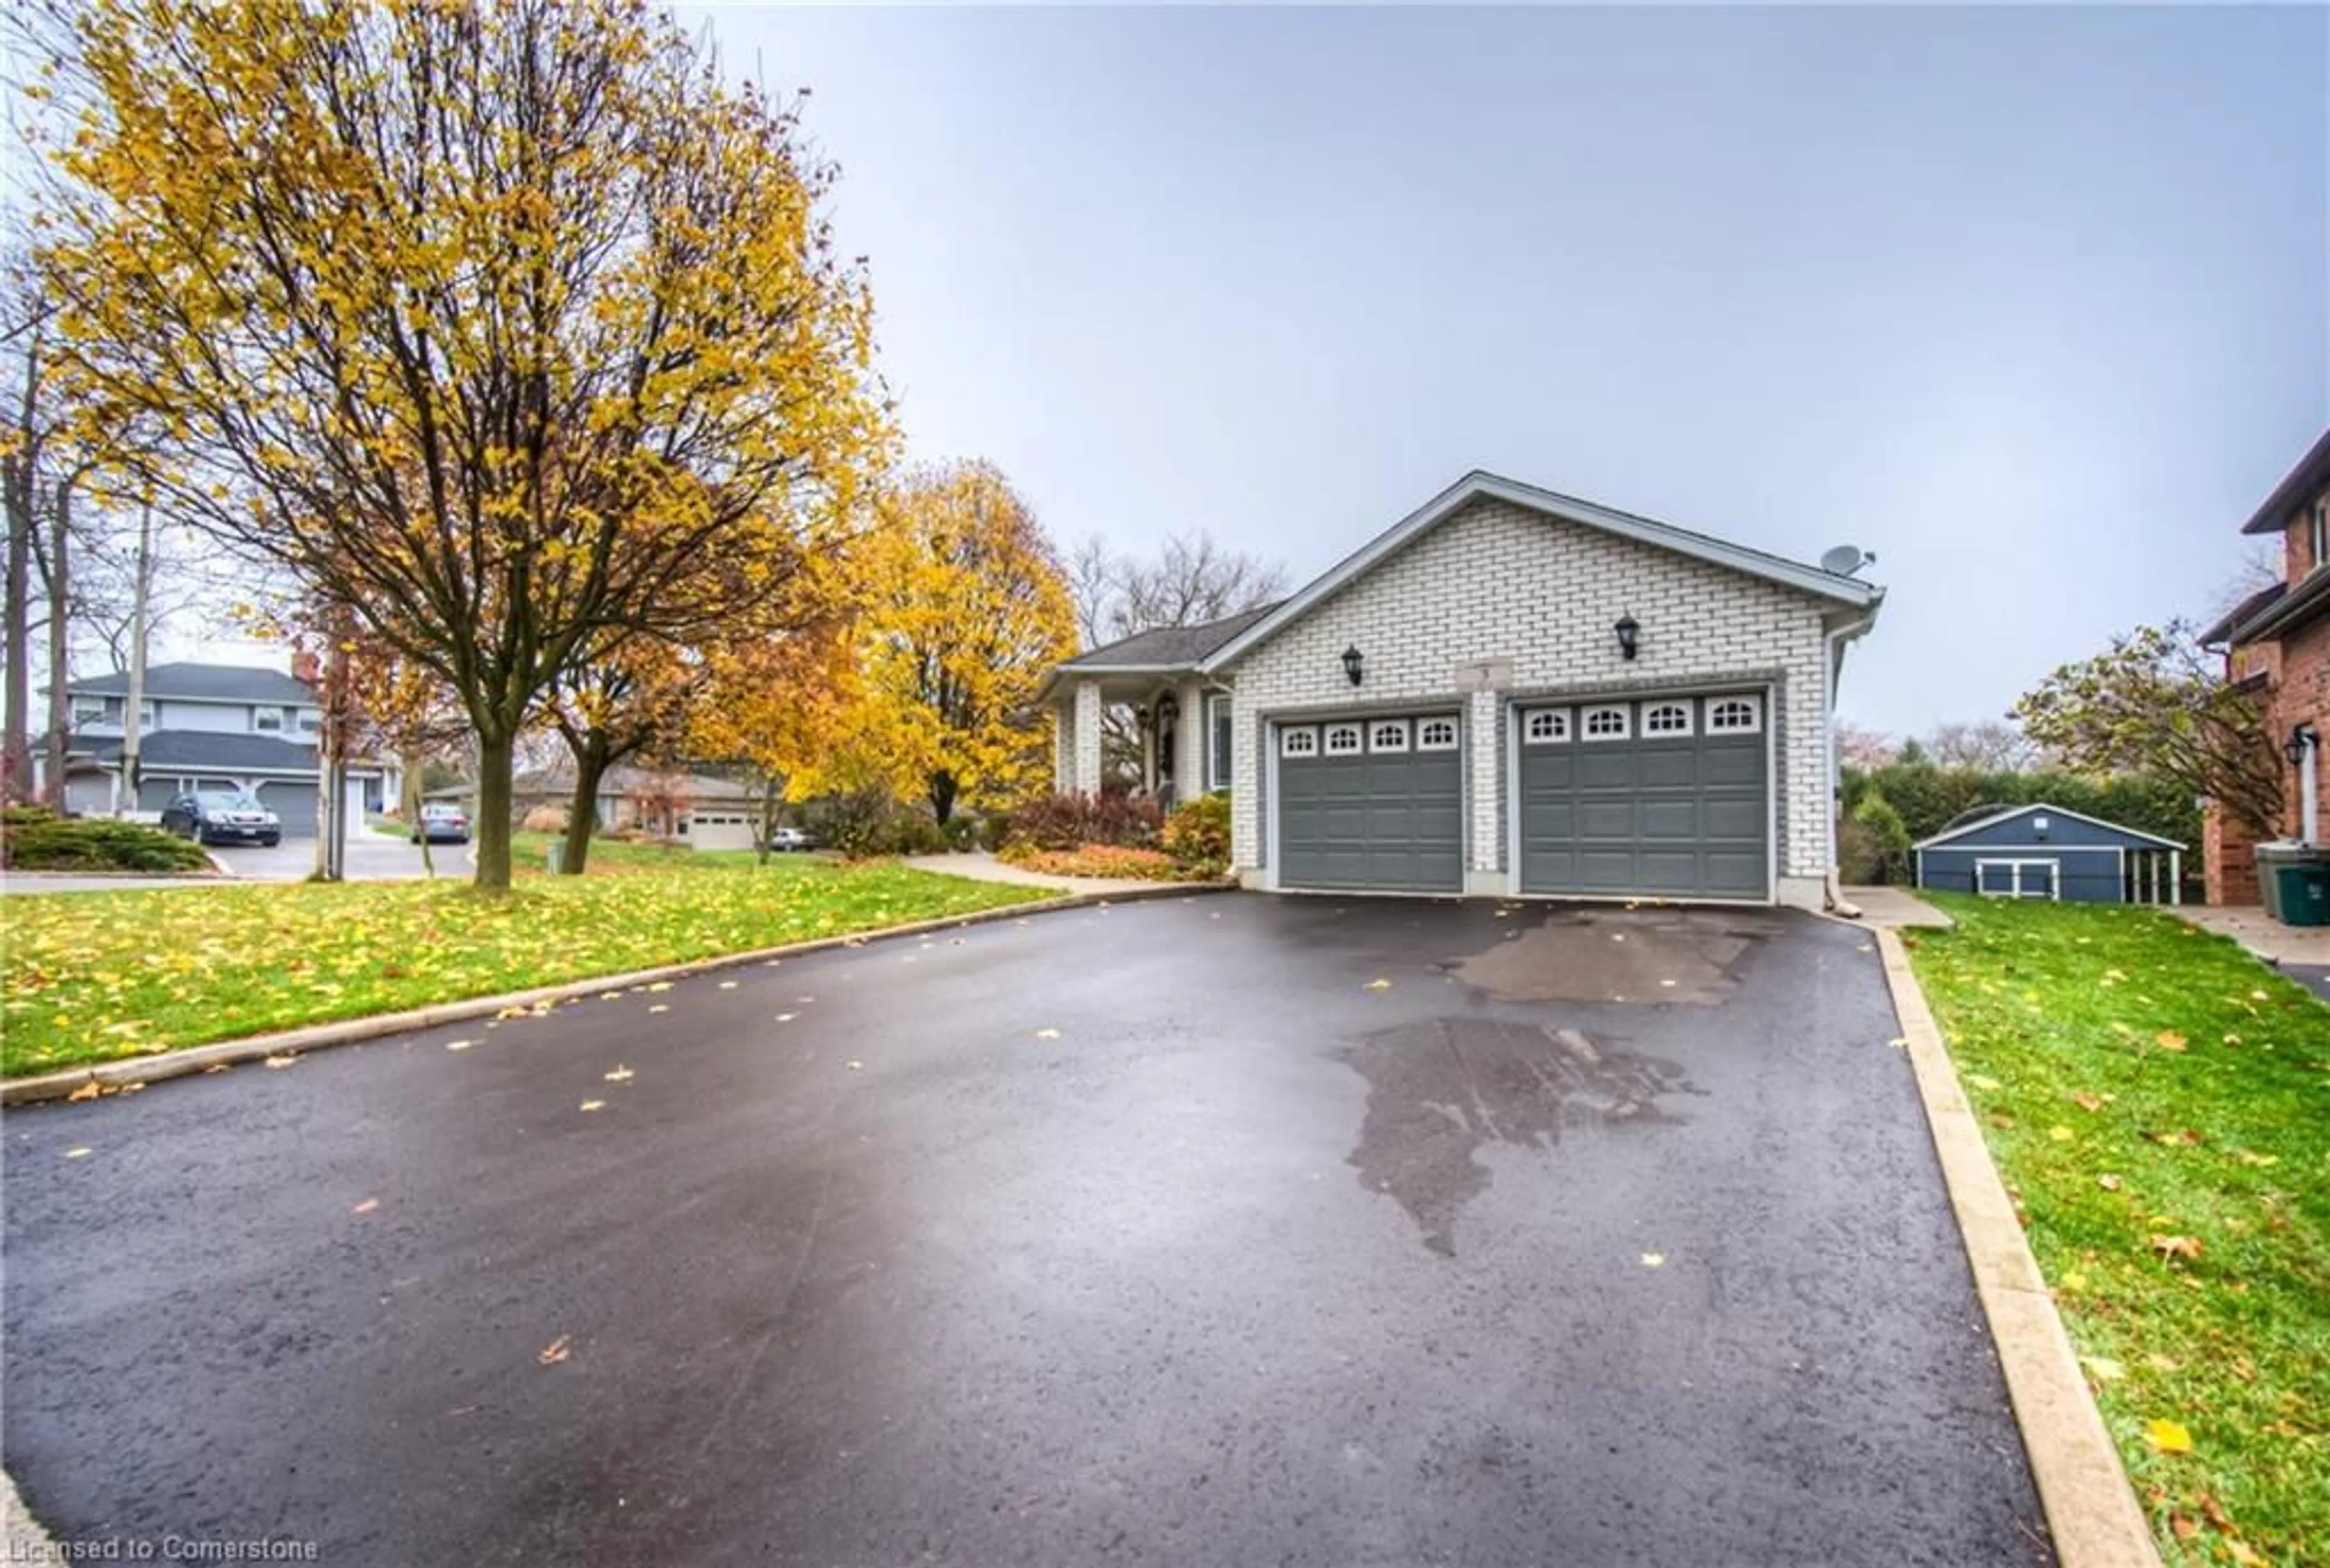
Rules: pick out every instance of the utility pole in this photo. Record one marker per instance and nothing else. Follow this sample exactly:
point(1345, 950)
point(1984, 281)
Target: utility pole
point(133, 718)
point(332, 754)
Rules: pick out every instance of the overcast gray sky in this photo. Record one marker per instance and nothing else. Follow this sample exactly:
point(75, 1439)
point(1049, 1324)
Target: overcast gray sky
point(2030, 302)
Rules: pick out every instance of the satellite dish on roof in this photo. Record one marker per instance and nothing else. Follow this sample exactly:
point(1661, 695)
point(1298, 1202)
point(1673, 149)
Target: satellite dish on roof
point(1845, 560)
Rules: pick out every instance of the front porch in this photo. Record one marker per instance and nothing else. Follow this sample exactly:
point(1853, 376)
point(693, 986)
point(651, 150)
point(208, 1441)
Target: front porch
point(1165, 732)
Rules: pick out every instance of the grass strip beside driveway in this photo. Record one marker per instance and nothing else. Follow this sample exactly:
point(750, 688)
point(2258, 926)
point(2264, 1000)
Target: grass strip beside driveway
point(91, 977)
point(2158, 1103)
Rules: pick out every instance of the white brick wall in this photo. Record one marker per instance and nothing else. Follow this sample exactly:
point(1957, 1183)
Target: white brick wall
point(1497, 581)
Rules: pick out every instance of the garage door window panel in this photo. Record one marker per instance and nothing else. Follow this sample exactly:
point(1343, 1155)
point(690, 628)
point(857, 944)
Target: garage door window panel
point(1734, 715)
point(1435, 735)
point(1670, 718)
point(1545, 726)
point(1343, 740)
point(1388, 735)
point(1300, 741)
point(1608, 722)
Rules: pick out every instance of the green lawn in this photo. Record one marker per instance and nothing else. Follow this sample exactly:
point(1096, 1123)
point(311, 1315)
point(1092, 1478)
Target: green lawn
point(2159, 1104)
point(92, 976)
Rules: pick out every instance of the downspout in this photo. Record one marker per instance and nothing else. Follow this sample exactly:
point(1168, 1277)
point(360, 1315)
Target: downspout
point(1832, 644)
point(2309, 750)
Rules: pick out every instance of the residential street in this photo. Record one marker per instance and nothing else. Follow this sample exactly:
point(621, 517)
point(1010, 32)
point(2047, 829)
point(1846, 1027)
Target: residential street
point(372, 857)
point(1220, 1231)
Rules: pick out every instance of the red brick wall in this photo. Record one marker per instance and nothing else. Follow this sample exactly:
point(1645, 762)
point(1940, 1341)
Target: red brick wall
point(2303, 697)
point(2228, 868)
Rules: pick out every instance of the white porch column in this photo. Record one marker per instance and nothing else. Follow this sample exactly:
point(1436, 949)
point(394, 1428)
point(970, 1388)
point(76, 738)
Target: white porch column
point(1064, 747)
point(1086, 737)
point(1189, 742)
point(1487, 792)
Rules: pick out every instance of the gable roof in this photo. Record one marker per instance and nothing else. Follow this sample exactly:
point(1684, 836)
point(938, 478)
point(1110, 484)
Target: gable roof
point(1996, 817)
point(192, 682)
point(2296, 487)
point(1848, 591)
point(2286, 612)
point(204, 750)
point(1167, 647)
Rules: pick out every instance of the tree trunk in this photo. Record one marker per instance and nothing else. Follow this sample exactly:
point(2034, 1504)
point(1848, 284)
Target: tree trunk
point(16, 760)
point(582, 814)
point(768, 827)
point(497, 756)
point(943, 791)
point(52, 782)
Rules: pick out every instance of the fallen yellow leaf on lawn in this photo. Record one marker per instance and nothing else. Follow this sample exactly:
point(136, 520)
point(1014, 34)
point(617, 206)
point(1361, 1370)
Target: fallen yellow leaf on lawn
point(2074, 1281)
point(2104, 1367)
point(1653, 1259)
point(554, 1353)
point(2169, 1040)
point(2109, 1183)
point(2231, 1039)
point(366, 1207)
point(594, 1105)
point(1980, 1082)
point(2088, 1102)
point(88, 1091)
point(2062, 1135)
point(2241, 1553)
point(2171, 1248)
point(2168, 1437)
point(621, 1074)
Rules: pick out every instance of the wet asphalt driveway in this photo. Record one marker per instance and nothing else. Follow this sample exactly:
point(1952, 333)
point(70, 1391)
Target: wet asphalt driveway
point(1221, 1231)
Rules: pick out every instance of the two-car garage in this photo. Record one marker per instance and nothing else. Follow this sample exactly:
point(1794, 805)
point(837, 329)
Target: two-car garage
point(1662, 796)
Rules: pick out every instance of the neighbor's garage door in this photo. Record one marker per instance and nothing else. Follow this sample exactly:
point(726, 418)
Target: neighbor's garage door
point(1667, 796)
point(294, 801)
point(717, 829)
point(1375, 804)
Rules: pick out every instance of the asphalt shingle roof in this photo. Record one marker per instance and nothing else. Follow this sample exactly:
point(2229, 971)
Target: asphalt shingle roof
point(204, 683)
point(203, 750)
point(1168, 647)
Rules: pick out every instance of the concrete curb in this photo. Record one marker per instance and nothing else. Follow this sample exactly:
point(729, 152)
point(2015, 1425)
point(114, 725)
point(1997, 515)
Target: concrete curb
point(2092, 1511)
point(143, 1070)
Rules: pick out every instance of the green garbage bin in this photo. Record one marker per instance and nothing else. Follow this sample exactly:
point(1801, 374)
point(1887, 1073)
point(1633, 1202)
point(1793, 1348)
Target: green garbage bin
point(2305, 893)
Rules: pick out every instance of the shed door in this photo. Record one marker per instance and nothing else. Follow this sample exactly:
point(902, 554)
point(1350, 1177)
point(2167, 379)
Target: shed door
point(1374, 804)
point(1664, 797)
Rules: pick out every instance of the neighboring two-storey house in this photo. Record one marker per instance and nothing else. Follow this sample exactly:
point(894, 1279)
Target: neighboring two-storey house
point(207, 726)
point(2277, 642)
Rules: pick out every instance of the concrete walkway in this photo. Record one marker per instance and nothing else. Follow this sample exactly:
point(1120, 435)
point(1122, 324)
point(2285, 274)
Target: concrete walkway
point(1896, 908)
point(2300, 952)
point(986, 868)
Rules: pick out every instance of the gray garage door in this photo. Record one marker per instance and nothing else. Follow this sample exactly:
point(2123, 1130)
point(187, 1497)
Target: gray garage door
point(1666, 796)
point(294, 801)
point(1375, 804)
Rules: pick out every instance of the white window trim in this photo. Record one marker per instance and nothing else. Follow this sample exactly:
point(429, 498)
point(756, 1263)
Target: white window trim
point(1451, 743)
point(2015, 864)
point(88, 711)
point(1218, 761)
point(1562, 727)
point(1332, 732)
point(1589, 713)
point(1378, 728)
point(258, 715)
point(1307, 734)
point(1755, 725)
point(1682, 705)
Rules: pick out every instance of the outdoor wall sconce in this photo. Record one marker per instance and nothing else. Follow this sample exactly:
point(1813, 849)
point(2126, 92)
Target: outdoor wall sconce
point(1353, 665)
point(1168, 708)
point(1630, 632)
point(2294, 749)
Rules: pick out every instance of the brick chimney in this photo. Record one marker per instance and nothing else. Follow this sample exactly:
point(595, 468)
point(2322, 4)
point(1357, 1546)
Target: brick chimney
point(306, 667)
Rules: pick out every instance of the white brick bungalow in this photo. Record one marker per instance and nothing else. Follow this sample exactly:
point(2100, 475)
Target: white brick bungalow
point(1508, 693)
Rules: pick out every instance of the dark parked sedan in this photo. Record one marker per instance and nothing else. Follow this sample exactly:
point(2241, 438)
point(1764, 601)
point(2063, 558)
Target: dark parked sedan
point(223, 818)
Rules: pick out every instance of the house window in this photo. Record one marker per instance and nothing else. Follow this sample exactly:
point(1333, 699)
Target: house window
point(1734, 716)
point(1666, 719)
point(1302, 740)
point(1217, 732)
point(1435, 735)
point(1388, 735)
point(309, 721)
point(87, 711)
point(1546, 725)
point(1342, 739)
point(1607, 723)
point(267, 720)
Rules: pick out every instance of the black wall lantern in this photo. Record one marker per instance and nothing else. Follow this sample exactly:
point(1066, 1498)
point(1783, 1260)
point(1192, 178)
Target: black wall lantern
point(1168, 708)
point(1353, 665)
point(1630, 632)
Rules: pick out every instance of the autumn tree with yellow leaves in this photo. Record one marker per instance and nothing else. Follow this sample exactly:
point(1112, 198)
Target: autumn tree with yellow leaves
point(965, 607)
point(503, 323)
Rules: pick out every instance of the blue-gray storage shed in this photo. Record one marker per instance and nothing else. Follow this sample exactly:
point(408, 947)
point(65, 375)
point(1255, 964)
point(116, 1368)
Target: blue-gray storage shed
point(2043, 852)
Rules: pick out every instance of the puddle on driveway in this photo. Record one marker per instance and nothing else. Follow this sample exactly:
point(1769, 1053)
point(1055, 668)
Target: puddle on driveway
point(1439, 1089)
point(1616, 955)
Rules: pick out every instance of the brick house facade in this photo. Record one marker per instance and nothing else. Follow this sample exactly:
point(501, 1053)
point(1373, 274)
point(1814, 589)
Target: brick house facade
point(2277, 642)
point(1492, 602)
